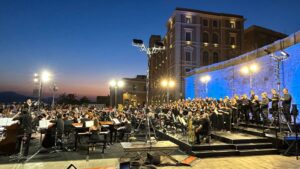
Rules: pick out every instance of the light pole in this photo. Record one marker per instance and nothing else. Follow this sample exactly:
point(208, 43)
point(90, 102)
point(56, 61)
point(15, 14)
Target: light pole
point(116, 84)
point(158, 46)
point(41, 79)
point(54, 88)
point(279, 61)
point(250, 70)
point(205, 79)
point(168, 84)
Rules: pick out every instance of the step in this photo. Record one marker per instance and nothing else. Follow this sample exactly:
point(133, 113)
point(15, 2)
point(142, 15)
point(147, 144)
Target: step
point(212, 147)
point(266, 151)
point(240, 141)
point(252, 131)
point(253, 146)
point(215, 153)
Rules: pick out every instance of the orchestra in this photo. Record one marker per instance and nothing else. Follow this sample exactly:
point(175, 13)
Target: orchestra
point(195, 118)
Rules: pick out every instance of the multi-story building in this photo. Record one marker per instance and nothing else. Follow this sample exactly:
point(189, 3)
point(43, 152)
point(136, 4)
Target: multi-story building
point(194, 38)
point(132, 93)
point(257, 36)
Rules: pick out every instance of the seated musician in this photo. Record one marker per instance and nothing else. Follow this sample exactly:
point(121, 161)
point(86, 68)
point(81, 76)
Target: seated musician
point(94, 130)
point(25, 121)
point(202, 127)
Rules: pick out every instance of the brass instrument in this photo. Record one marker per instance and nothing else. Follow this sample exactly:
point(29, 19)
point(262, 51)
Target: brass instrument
point(191, 132)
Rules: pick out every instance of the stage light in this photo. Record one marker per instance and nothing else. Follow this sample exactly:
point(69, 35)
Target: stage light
point(171, 83)
point(113, 83)
point(158, 45)
point(205, 79)
point(164, 83)
point(245, 70)
point(45, 76)
point(121, 83)
point(35, 80)
point(284, 53)
point(36, 75)
point(253, 68)
point(137, 42)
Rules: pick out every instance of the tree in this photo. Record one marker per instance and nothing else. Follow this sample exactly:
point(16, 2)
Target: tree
point(67, 99)
point(84, 100)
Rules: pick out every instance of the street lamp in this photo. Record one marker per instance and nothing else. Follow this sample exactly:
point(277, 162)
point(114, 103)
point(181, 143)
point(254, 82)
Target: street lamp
point(158, 46)
point(249, 70)
point(116, 84)
point(279, 60)
point(168, 84)
point(42, 78)
point(54, 88)
point(205, 79)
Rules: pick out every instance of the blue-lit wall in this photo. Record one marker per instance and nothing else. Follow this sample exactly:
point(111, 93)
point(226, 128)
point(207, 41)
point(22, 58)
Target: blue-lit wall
point(230, 81)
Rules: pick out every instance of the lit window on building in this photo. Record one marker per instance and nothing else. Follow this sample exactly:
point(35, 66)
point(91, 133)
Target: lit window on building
point(188, 19)
point(232, 24)
point(188, 36)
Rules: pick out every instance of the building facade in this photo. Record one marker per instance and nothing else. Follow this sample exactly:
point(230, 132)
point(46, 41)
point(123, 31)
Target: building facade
point(257, 36)
point(132, 93)
point(194, 38)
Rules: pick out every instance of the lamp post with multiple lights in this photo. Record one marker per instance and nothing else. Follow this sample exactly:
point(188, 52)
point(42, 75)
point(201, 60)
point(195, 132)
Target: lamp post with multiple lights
point(116, 84)
point(168, 84)
point(158, 46)
point(205, 79)
point(250, 70)
point(42, 78)
point(279, 58)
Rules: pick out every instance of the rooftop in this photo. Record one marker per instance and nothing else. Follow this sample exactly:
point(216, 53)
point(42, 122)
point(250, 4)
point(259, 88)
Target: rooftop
point(208, 12)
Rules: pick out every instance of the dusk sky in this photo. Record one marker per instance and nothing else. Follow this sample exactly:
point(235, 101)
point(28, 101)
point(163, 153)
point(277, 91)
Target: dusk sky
point(86, 43)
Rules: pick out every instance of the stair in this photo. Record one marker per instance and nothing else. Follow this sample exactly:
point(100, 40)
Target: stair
point(237, 143)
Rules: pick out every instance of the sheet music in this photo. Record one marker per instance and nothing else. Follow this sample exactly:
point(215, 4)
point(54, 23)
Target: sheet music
point(43, 124)
point(7, 121)
point(89, 123)
point(116, 121)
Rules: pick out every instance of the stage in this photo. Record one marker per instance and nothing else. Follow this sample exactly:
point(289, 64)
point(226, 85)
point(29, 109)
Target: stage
point(242, 141)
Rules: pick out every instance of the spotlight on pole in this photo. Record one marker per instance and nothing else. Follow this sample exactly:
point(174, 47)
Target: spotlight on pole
point(112, 83)
point(245, 70)
point(120, 83)
point(137, 42)
point(158, 46)
point(45, 76)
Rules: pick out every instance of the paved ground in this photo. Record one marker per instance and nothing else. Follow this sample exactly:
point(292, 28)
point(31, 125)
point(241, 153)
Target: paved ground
point(111, 159)
point(253, 162)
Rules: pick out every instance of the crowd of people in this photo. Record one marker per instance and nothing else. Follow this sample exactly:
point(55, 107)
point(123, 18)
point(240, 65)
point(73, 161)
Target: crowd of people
point(194, 117)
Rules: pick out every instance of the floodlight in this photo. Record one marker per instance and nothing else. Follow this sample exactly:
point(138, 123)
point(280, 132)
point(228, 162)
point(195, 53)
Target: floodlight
point(113, 83)
point(121, 83)
point(137, 42)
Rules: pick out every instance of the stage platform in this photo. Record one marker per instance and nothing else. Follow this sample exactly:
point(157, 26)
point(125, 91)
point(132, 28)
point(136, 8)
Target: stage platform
point(223, 144)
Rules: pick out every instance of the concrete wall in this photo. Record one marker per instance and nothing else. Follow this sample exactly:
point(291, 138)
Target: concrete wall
point(228, 80)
